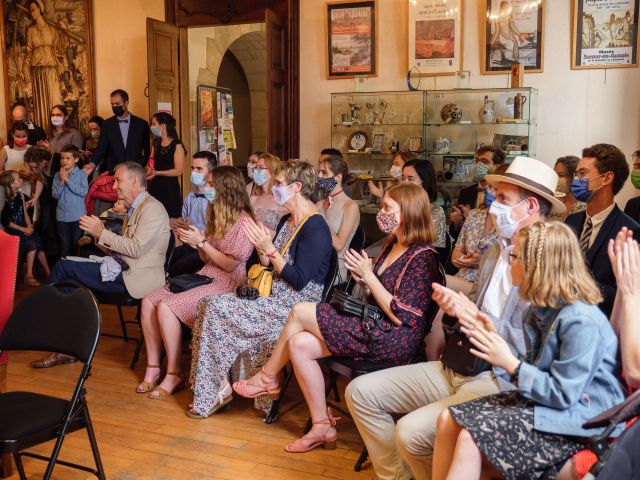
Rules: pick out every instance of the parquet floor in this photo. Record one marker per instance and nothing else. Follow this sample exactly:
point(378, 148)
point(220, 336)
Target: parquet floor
point(146, 439)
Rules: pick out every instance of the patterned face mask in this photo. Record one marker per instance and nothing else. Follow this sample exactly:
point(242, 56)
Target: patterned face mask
point(387, 222)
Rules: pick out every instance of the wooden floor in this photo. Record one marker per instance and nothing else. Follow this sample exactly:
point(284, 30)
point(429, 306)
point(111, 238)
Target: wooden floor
point(146, 439)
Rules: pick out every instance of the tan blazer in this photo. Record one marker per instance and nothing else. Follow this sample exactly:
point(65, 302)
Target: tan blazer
point(143, 245)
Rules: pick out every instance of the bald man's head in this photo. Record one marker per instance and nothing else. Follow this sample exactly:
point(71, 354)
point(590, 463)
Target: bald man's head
point(19, 113)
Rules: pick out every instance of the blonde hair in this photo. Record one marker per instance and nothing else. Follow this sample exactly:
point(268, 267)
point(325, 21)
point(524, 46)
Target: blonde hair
point(231, 200)
point(555, 273)
point(417, 219)
point(271, 162)
point(6, 179)
point(298, 171)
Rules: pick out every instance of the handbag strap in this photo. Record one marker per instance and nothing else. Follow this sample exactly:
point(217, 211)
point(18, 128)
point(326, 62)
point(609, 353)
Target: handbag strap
point(293, 236)
point(406, 265)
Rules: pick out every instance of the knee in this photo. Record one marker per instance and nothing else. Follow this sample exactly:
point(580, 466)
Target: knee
point(301, 343)
point(412, 437)
point(465, 441)
point(445, 420)
point(355, 395)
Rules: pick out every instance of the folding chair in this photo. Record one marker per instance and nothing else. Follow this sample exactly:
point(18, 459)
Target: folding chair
point(127, 300)
point(64, 318)
point(273, 414)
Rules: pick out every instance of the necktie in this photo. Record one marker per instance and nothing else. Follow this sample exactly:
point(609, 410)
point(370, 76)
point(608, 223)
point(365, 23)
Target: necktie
point(585, 238)
point(199, 195)
point(123, 121)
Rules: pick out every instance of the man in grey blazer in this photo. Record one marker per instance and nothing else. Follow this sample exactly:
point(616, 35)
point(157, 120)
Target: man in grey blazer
point(524, 195)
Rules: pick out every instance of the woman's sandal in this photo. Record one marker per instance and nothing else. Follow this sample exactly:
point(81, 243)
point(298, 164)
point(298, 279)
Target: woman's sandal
point(221, 403)
point(31, 281)
point(327, 438)
point(162, 392)
point(242, 387)
point(146, 387)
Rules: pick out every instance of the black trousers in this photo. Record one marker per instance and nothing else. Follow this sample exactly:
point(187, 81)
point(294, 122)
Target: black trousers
point(185, 260)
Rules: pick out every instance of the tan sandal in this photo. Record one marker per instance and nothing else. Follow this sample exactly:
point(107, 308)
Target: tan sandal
point(31, 281)
point(162, 392)
point(146, 387)
point(222, 400)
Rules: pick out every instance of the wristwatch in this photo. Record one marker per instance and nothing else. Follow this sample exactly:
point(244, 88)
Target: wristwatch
point(202, 242)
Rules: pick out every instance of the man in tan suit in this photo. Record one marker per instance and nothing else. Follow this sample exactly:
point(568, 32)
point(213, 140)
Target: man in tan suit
point(142, 246)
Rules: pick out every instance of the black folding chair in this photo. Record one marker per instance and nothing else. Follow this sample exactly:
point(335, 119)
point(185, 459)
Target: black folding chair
point(127, 300)
point(600, 444)
point(273, 414)
point(64, 318)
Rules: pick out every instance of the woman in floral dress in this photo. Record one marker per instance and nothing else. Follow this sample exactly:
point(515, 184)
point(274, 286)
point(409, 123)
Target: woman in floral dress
point(267, 211)
point(226, 248)
point(228, 325)
point(400, 285)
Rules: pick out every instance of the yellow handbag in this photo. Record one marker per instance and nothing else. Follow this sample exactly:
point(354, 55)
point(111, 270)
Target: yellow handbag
point(261, 277)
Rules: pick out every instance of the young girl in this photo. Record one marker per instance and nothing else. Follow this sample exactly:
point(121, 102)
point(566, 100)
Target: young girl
point(16, 221)
point(12, 155)
point(568, 375)
point(70, 186)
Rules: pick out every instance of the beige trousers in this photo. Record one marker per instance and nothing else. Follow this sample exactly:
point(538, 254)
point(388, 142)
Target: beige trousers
point(421, 392)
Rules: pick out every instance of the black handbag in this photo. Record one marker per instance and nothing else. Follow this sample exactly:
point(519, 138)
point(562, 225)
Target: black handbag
point(187, 281)
point(456, 353)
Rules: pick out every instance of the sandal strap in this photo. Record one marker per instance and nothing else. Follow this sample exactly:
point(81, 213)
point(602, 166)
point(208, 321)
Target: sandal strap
point(267, 374)
point(153, 366)
point(330, 420)
point(175, 374)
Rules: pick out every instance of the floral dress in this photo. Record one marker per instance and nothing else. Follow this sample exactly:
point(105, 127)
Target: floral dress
point(344, 334)
point(234, 244)
point(228, 325)
point(473, 239)
point(440, 225)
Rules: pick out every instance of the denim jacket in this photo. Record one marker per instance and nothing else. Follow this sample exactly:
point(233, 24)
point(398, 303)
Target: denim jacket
point(70, 195)
point(570, 369)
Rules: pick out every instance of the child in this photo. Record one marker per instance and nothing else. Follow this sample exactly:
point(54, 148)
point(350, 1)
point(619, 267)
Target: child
point(12, 155)
point(113, 220)
point(16, 221)
point(70, 186)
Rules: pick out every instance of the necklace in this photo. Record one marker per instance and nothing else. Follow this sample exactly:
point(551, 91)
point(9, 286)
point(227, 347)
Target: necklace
point(329, 200)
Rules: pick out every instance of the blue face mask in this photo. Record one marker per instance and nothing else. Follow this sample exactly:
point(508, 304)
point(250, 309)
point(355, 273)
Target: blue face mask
point(489, 197)
point(155, 131)
point(210, 194)
point(198, 179)
point(481, 170)
point(580, 188)
point(260, 176)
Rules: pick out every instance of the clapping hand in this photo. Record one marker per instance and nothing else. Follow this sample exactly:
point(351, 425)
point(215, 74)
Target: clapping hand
point(359, 264)
point(92, 225)
point(470, 260)
point(490, 346)
point(64, 175)
point(190, 235)
point(259, 236)
point(454, 304)
point(625, 260)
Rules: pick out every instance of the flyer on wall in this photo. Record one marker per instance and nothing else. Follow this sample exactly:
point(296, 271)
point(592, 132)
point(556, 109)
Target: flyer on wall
point(351, 39)
point(435, 36)
point(605, 33)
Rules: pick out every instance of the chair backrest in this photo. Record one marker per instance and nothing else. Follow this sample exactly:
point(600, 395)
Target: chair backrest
point(358, 239)
point(332, 273)
point(62, 317)
point(9, 245)
point(170, 247)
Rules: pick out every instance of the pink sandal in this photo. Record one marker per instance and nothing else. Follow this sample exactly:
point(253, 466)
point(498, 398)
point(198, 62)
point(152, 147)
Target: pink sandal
point(242, 387)
point(327, 438)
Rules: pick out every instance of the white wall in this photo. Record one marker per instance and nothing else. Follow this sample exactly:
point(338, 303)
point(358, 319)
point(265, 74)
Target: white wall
point(576, 108)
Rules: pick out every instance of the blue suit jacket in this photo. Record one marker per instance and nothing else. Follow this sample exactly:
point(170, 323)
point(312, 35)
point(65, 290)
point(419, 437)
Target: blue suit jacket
point(597, 258)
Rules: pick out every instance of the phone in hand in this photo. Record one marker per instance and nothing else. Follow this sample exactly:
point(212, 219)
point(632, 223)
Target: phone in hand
point(151, 163)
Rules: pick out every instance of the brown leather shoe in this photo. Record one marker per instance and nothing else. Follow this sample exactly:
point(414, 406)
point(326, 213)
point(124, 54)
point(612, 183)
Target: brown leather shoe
point(53, 360)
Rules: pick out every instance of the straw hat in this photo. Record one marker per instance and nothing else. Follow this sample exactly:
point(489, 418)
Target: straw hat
point(532, 175)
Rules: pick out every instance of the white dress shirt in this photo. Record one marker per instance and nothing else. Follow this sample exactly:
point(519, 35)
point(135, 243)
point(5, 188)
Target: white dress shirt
point(596, 222)
point(496, 294)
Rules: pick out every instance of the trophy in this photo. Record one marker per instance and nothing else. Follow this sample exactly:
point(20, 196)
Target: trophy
point(370, 104)
point(378, 115)
point(355, 111)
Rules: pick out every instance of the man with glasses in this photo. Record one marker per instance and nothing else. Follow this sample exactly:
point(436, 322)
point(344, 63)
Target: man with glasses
point(599, 177)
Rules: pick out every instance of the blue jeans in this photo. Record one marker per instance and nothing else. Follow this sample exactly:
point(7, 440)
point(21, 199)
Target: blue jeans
point(69, 234)
point(87, 274)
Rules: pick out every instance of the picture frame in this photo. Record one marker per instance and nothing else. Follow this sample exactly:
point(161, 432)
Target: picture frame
point(435, 36)
point(415, 144)
point(350, 39)
point(511, 31)
point(69, 80)
point(604, 37)
point(378, 142)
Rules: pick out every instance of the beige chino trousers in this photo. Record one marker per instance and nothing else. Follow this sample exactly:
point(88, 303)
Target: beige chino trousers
point(420, 391)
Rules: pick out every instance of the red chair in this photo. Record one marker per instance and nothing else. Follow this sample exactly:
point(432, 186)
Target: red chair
point(8, 269)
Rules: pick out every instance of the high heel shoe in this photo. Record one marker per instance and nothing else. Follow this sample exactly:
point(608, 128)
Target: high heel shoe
point(222, 401)
point(164, 393)
point(146, 387)
point(242, 387)
point(327, 437)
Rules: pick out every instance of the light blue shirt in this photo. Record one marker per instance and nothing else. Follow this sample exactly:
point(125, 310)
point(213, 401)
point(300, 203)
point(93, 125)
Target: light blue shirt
point(124, 128)
point(194, 209)
point(135, 203)
point(70, 195)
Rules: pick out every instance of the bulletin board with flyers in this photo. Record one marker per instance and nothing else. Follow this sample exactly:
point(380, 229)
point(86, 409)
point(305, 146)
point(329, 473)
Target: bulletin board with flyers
point(215, 122)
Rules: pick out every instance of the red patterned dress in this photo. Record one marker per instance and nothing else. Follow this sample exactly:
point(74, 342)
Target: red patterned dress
point(344, 334)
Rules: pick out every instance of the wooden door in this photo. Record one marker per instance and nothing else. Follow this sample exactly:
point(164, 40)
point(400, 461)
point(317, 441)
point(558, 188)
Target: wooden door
point(168, 74)
point(277, 118)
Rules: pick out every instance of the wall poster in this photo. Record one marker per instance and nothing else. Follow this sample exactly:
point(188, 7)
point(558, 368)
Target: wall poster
point(48, 58)
point(512, 31)
point(605, 34)
point(351, 39)
point(434, 43)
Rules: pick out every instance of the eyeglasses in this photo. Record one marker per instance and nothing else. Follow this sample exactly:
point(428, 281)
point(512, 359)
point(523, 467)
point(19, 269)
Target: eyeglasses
point(513, 257)
point(583, 176)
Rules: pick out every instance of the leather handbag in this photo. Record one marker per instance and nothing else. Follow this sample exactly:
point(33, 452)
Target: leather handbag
point(456, 353)
point(187, 281)
point(260, 277)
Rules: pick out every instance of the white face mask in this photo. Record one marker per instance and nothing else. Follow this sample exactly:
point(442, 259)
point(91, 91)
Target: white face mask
point(281, 194)
point(505, 225)
point(57, 121)
point(395, 171)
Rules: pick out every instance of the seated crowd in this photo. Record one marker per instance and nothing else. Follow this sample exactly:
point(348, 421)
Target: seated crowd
point(536, 332)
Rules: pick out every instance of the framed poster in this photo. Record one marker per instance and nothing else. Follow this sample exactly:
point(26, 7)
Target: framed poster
point(512, 31)
point(205, 97)
point(434, 36)
point(604, 34)
point(351, 39)
point(48, 58)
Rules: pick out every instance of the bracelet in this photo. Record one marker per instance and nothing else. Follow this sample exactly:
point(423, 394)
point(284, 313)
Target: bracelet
point(272, 254)
point(516, 372)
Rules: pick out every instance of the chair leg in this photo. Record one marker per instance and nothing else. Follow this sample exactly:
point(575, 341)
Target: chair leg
point(6, 466)
point(136, 354)
point(334, 386)
point(94, 445)
point(123, 325)
point(272, 416)
point(361, 459)
point(19, 466)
